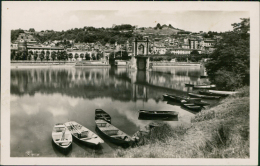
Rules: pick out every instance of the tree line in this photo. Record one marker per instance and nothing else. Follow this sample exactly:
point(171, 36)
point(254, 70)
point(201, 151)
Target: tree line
point(59, 55)
point(229, 64)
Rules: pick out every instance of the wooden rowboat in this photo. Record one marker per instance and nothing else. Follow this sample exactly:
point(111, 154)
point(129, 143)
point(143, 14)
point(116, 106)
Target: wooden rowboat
point(166, 118)
point(112, 133)
point(212, 94)
point(61, 136)
point(83, 134)
point(179, 99)
point(199, 103)
point(203, 96)
point(172, 98)
point(101, 114)
point(189, 85)
point(192, 107)
point(157, 113)
point(204, 86)
point(223, 92)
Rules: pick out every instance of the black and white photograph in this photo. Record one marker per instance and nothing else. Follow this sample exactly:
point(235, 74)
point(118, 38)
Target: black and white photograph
point(126, 83)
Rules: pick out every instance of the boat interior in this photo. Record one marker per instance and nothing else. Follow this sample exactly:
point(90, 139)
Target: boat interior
point(61, 136)
point(111, 131)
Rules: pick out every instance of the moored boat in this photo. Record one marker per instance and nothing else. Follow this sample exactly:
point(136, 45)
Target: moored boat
point(173, 98)
point(61, 136)
point(112, 133)
point(204, 86)
point(189, 85)
point(203, 96)
point(190, 99)
point(101, 114)
point(163, 118)
point(223, 92)
point(212, 94)
point(157, 113)
point(192, 107)
point(199, 103)
point(204, 76)
point(83, 134)
point(179, 99)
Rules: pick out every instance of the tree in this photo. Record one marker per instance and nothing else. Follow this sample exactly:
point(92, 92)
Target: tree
point(53, 55)
point(76, 56)
point(12, 55)
point(70, 56)
point(228, 66)
point(194, 52)
point(35, 56)
point(58, 55)
point(42, 55)
point(31, 30)
point(87, 56)
point(29, 57)
point(66, 57)
point(62, 55)
point(93, 56)
point(48, 55)
point(98, 55)
point(158, 26)
point(81, 55)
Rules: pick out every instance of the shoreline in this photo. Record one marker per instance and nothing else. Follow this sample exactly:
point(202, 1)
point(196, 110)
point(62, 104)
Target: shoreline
point(92, 64)
point(221, 131)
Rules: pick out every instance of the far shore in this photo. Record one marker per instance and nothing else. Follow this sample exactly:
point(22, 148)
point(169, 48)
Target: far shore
point(33, 64)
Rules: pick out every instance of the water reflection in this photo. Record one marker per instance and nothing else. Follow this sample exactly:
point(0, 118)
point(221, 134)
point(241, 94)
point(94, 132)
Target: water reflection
point(109, 82)
point(41, 98)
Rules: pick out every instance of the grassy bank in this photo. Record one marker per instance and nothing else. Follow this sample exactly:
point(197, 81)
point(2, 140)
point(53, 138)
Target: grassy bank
point(221, 131)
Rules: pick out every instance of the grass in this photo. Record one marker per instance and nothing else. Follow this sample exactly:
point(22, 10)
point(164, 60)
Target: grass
point(221, 131)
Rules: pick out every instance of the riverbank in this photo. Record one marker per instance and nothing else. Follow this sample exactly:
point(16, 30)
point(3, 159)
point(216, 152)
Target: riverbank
point(95, 63)
point(221, 131)
point(166, 64)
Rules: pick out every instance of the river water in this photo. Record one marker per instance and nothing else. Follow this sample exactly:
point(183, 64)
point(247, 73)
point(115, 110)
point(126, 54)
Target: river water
point(42, 97)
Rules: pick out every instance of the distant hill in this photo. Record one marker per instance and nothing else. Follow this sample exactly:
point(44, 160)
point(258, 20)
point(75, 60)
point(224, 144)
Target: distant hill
point(119, 34)
point(169, 31)
point(163, 30)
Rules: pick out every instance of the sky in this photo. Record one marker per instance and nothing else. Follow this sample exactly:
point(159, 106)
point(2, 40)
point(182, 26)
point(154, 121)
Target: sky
point(194, 21)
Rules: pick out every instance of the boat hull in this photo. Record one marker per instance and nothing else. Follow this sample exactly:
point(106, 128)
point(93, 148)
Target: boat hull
point(62, 149)
point(204, 96)
point(172, 98)
point(101, 114)
point(166, 118)
point(85, 142)
point(189, 85)
point(157, 113)
point(204, 87)
point(111, 138)
point(61, 137)
point(223, 92)
point(77, 131)
point(212, 94)
point(192, 107)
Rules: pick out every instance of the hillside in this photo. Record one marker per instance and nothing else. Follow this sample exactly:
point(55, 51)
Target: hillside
point(163, 31)
point(119, 34)
point(219, 132)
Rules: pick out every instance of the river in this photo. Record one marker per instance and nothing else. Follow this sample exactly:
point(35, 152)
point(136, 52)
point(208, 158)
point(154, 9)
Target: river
point(42, 97)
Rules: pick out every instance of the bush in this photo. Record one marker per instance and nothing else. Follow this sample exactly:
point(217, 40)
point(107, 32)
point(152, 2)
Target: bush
point(227, 80)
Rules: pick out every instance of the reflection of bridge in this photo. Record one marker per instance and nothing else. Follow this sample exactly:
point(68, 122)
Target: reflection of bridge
point(120, 84)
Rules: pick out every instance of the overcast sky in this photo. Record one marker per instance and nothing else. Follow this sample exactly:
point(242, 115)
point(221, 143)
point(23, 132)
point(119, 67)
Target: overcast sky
point(64, 19)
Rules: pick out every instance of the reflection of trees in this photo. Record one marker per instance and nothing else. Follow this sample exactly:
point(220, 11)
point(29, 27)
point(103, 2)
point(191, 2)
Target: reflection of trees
point(76, 83)
point(93, 83)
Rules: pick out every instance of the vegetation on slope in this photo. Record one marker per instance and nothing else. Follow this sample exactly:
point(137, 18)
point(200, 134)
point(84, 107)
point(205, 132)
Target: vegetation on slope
point(229, 64)
point(218, 132)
